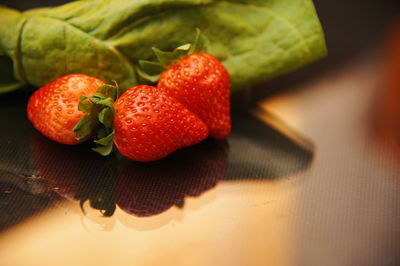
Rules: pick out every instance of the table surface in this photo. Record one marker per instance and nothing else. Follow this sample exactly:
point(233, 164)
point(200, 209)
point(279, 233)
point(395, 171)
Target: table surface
point(303, 180)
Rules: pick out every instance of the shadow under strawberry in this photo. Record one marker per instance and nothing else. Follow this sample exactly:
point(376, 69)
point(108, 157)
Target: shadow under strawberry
point(146, 189)
point(143, 189)
point(75, 173)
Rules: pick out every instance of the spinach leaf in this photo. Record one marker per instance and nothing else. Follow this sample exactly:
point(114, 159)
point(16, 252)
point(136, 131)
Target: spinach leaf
point(255, 39)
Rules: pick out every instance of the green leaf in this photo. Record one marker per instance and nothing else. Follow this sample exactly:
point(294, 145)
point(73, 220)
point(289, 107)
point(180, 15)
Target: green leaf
point(85, 128)
point(101, 133)
point(165, 58)
point(107, 140)
point(146, 77)
point(106, 117)
point(94, 99)
point(100, 99)
point(151, 71)
point(80, 124)
point(85, 105)
point(107, 102)
point(184, 48)
point(151, 68)
point(103, 150)
point(200, 43)
point(109, 91)
point(100, 95)
point(181, 51)
point(255, 39)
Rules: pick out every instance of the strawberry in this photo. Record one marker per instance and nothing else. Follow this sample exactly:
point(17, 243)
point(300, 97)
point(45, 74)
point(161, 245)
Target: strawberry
point(197, 79)
point(202, 84)
point(53, 109)
point(149, 124)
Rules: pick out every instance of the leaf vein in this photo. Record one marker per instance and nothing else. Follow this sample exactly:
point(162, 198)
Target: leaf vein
point(277, 16)
point(130, 65)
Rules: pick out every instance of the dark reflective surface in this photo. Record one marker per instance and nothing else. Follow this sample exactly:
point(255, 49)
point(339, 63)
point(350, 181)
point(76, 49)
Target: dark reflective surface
point(45, 171)
point(74, 173)
point(148, 189)
point(141, 189)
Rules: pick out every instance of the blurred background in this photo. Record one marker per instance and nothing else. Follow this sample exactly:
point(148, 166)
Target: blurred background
point(352, 29)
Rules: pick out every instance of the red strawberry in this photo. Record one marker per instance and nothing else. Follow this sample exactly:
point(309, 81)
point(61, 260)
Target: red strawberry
point(53, 109)
point(149, 125)
point(202, 84)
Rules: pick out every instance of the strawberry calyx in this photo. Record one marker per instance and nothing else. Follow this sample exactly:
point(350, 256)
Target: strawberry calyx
point(150, 71)
point(98, 120)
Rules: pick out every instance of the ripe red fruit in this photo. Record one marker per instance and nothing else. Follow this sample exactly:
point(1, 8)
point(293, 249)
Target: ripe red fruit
point(53, 109)
point(149, 124)
point(202, 84)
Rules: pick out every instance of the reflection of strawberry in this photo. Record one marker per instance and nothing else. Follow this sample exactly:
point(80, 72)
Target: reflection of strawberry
point(140, 189)
point(202, 84)
point(75, 173)
point(151, 188)
point(53, 109)
point(55, 165)
point(149, 125)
